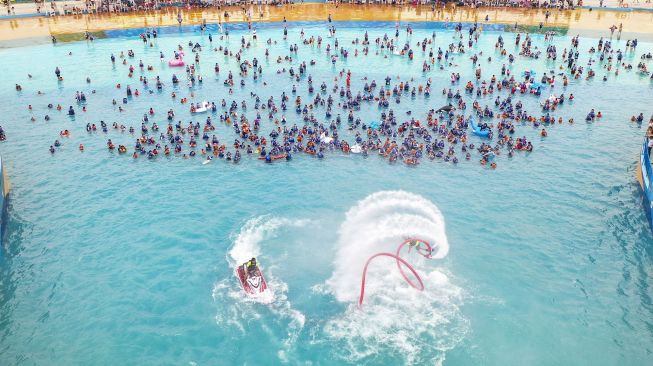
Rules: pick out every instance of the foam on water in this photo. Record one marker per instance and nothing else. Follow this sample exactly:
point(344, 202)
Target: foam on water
point(379, 223)
point(247, 243)
point(237, 309)
point(415, 326)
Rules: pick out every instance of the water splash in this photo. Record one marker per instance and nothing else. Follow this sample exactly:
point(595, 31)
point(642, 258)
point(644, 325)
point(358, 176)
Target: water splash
point(414, 326)
point(247, 243)
point(236, 309)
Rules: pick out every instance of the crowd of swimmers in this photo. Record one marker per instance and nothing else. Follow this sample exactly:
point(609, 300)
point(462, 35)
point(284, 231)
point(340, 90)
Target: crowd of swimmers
point(314, 121)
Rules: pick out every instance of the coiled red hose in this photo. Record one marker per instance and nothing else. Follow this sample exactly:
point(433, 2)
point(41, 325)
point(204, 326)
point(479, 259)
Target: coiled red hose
point(426, 254)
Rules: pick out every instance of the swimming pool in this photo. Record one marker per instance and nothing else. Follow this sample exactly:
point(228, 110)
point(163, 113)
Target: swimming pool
point(111, 260)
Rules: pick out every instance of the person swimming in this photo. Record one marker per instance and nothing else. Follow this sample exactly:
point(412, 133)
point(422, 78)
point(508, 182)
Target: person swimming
point(439, 137)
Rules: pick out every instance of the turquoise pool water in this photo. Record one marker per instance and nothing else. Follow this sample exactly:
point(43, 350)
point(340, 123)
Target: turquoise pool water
point(111, 260)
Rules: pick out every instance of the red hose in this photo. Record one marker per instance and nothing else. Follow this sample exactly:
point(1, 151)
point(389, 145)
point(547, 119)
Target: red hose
point(399, 261)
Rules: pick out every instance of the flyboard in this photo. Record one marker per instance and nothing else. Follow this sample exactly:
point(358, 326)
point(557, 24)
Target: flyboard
point(252, 281)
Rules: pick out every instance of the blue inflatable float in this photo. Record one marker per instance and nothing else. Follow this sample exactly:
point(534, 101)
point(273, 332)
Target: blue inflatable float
point(477, 130)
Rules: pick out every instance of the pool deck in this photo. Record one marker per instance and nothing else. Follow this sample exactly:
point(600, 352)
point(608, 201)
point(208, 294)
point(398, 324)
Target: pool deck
point(582, 21)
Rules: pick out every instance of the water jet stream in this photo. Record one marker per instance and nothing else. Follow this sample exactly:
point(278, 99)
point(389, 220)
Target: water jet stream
point(399, 262)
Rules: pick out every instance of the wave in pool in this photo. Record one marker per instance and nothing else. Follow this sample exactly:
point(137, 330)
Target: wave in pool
point(412, 326)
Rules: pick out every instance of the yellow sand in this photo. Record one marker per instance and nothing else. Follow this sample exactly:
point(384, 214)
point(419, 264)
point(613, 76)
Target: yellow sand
point(579, 21)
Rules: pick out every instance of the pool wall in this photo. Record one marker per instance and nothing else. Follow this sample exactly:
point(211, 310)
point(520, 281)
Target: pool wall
point(243, 26)
point(4, 189)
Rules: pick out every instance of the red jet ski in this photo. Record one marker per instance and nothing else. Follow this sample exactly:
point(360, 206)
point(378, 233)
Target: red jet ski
point(251, 278)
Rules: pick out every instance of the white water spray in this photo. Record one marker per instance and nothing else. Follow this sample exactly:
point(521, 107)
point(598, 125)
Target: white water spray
point(415, 326)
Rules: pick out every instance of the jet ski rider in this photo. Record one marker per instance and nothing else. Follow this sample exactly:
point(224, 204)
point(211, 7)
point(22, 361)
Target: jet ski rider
point(250, 266)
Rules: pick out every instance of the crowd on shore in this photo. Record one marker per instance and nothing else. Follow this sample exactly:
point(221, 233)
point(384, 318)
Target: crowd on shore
point(73, 7)
point(123, 6)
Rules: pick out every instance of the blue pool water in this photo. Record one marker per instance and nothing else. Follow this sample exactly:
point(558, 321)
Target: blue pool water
point(111, 260)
